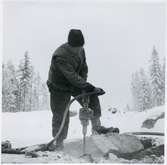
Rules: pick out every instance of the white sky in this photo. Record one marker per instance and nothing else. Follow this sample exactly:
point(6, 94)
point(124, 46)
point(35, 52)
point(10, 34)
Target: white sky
point(119, 38)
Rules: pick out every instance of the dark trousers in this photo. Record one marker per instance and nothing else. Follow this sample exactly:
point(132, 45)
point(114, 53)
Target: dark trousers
point(58, 103)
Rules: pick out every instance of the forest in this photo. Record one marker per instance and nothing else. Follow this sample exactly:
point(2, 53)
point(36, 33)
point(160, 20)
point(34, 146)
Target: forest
point(148, 86)
point(22, 87)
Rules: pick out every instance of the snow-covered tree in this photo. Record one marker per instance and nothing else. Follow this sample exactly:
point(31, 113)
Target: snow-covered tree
point(40, 94)
point(9, 88)
point(141, 91)
point(36, 91)
point(163, 82)
point(25, 74)
point(156, 80)
point(23, 90)
point(135, 91)
point(145, 91)
point(148, 90)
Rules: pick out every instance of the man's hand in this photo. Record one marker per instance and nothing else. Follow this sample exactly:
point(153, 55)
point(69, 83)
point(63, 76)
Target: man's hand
point(91, 88)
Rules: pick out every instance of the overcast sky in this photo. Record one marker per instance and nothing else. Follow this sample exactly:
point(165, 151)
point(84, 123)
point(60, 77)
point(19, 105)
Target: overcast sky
point(119, 38)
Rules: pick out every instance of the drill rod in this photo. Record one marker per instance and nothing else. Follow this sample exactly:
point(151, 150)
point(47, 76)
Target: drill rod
point(84, 144)
point(84, 131)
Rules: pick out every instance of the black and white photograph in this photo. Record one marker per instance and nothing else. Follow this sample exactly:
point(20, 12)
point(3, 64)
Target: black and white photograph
point(83, 81)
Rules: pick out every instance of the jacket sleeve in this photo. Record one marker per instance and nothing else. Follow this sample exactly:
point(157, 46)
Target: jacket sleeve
point(84, 71)
point(70, 74)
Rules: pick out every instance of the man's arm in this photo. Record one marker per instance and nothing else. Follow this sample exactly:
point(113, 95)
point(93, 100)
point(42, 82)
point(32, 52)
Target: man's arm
point(70, 74)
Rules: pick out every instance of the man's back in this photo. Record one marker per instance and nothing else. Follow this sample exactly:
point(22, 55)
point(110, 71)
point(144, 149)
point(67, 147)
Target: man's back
point(67, 58)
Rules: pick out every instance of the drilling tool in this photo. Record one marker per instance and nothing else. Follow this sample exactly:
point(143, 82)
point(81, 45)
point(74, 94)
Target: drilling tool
point(85, 114)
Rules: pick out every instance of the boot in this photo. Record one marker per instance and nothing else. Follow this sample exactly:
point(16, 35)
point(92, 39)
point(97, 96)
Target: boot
point(98, 129)
point(105, 130)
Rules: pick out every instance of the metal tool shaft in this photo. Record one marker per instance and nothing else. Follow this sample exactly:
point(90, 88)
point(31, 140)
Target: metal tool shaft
point(84, 144)
point(84, 132)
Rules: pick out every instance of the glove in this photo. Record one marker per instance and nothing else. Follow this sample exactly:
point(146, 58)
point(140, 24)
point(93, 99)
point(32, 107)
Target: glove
point(89, 88)
point(99, 91)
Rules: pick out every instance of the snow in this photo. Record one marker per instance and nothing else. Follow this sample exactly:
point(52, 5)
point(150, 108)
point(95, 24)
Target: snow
point(132, 121)
point(29, 128)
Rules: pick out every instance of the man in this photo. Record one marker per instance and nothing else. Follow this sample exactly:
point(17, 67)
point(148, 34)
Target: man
point(67, 77)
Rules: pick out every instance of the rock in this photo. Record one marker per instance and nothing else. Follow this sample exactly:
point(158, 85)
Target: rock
point(6, 145)
point(147, 142)
point(156, 151)
point(31, 154)
point(150, 122)
point(112, 156)
point(119, 143)
point(87, 158)
point(146, 155)
point(45, 155)
point(148, 159)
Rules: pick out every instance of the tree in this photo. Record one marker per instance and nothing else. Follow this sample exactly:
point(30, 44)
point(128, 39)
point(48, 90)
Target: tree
point(39, 94)
point(163, 82)
point(36, 91)
point(9, 88)
point(25, 75)
point(156, 80)
point(135, 91)
point(141, 91)
point(23, 89)
point(145, 91)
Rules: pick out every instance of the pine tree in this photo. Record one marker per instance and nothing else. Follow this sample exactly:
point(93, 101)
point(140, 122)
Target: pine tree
point(141, 91)
point(25, 74)
point(163, 82)
point(36, 91)
point(145, 91)
point(31, 84)
point(156, 79)
point(9, 88)
point(23, 90)
point(135, 91)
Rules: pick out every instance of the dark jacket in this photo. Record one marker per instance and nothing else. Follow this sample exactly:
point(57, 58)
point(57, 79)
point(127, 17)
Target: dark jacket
point(68, 69)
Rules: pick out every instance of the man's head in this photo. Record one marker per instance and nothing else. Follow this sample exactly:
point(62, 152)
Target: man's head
point(75, 38)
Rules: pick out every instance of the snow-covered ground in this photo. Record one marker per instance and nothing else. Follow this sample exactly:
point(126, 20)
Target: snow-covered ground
point(132, 121)
point(28, 128)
